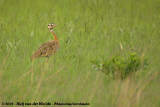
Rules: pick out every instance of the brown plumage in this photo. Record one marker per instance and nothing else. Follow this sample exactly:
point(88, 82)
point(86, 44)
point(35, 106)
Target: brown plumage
point(48, 48)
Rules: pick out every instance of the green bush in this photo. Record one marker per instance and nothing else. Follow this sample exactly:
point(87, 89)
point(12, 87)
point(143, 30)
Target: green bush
point(120, 67)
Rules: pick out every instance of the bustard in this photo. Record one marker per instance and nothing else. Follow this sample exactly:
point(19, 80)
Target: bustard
point(48, 48)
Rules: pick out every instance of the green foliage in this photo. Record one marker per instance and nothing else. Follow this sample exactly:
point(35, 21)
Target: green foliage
point(119, 67)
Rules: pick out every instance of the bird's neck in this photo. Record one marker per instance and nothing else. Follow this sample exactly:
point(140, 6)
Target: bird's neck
point(55, 36)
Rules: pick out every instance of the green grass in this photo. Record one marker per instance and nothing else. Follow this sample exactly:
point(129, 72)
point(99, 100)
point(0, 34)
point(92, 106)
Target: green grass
point(87, 29)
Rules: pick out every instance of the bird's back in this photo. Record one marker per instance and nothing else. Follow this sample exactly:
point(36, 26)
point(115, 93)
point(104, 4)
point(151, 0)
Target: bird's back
point(46, 49)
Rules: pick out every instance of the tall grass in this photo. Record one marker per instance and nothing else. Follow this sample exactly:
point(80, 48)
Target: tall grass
point(87, 29)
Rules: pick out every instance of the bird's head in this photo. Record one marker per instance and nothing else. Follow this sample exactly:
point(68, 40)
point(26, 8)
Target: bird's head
point(51, 26)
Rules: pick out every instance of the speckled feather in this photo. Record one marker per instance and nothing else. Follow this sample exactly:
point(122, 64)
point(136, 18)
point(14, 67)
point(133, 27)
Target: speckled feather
point(46, 49)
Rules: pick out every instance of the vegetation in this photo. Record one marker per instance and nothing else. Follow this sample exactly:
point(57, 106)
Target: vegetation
point(87, 30)
point(120, 68)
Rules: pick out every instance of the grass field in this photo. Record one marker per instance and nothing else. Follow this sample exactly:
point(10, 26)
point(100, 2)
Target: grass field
point(87, 29)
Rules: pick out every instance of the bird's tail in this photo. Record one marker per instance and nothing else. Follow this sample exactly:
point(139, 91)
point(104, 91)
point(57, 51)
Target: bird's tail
point(32, 57)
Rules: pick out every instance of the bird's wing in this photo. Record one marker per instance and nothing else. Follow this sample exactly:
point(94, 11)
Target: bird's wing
point(47, 49)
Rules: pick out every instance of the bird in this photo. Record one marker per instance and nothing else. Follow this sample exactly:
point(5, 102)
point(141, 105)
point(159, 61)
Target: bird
point(47, 48)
